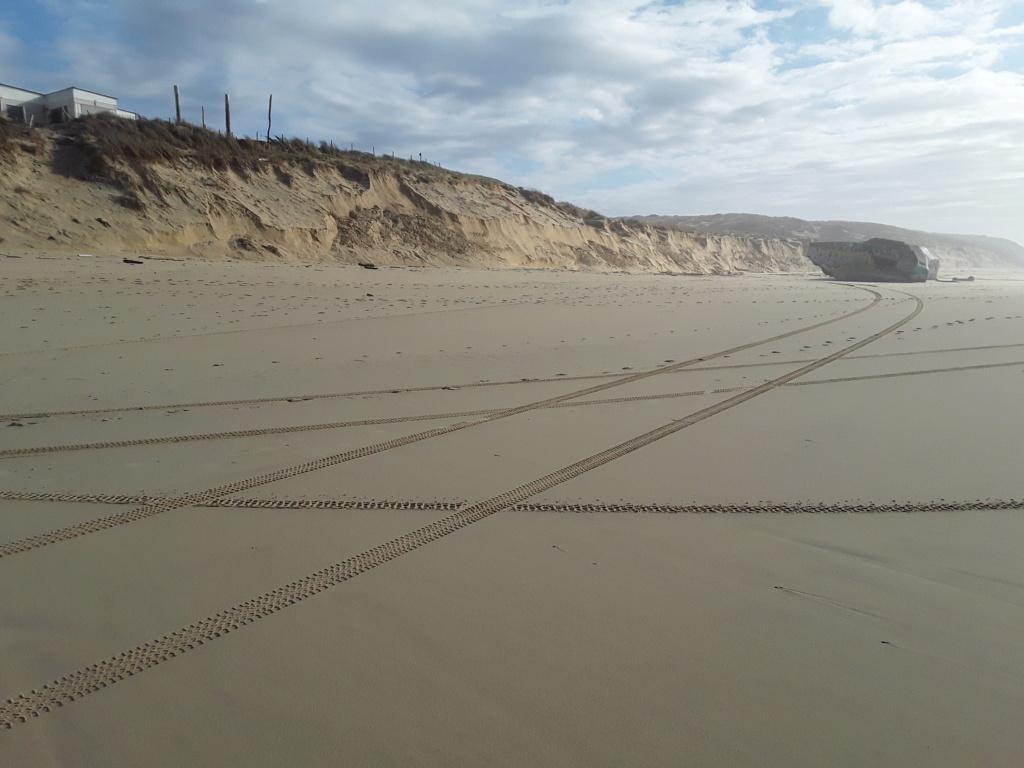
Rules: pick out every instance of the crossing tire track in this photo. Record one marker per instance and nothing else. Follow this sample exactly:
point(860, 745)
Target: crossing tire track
point(148, 510)
point(95, 677)
point(560, 507)
point(239, 433)
point(439, 387)
point(301, 398)
point(876, 356)
point(898, 374)
point(477, 384)
point(291, 429)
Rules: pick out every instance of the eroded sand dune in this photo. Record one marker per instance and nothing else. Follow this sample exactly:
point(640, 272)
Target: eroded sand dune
point(98, 186)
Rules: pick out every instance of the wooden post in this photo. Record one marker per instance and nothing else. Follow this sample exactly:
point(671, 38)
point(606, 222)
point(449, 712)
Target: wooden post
point(177, 106)
point(227, 115)
point(202, 111)
point(270, 107)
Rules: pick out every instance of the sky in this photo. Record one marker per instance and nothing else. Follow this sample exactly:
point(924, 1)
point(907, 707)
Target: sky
point(909, 113)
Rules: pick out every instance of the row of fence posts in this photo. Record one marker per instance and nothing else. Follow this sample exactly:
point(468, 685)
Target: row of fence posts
point(270, 113)
point(227, 112)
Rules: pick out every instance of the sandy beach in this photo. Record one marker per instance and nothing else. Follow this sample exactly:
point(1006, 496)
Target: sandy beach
point(323, 515)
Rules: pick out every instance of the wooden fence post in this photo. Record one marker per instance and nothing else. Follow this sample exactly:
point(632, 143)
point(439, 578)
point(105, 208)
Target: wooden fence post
point(202, 111)
point(227, 115)
point(177, 106)
point(270, 107)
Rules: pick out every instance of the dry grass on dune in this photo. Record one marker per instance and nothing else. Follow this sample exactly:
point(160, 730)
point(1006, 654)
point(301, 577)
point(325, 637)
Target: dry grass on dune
point(100, 143)
point(103, 147)
point(15, 136)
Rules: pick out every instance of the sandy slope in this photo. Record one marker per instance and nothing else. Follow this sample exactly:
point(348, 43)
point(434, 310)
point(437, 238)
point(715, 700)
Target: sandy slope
point(372, 209)
point(527, 638)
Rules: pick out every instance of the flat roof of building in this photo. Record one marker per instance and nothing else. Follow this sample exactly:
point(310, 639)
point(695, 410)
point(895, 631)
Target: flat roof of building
point(68, 88)
point(87, 90)
point(19, 88)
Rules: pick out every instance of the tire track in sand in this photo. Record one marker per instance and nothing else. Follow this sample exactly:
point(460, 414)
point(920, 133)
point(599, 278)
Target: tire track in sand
point(558, 507)
point(29, 705)
point(149, 510)
point(464, 385)
point(7, 453)
point(470, 385)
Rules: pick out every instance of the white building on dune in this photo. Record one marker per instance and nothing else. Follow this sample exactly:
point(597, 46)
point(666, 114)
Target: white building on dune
point(23, 106)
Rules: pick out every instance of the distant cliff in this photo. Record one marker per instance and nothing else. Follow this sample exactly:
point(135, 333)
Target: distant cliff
point(150, 187)
point(955, 251)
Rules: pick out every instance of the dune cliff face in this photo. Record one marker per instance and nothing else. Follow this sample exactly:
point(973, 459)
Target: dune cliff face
point(355, 209)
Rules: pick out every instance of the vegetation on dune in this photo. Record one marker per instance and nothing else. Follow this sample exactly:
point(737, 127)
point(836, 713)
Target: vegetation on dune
point(539, 198)
point(15, 136)
point(100, 143)
point(122, 152)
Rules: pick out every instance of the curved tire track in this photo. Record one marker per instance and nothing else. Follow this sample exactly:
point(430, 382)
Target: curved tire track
point(95, 677)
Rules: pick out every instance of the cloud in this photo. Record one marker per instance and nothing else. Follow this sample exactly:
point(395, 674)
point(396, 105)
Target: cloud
point(835, 109)
point(11, 53)
point(905, 19)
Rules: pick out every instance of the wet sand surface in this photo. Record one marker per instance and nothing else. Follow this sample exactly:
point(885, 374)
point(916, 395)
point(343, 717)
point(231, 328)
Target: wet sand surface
point(486, 587)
